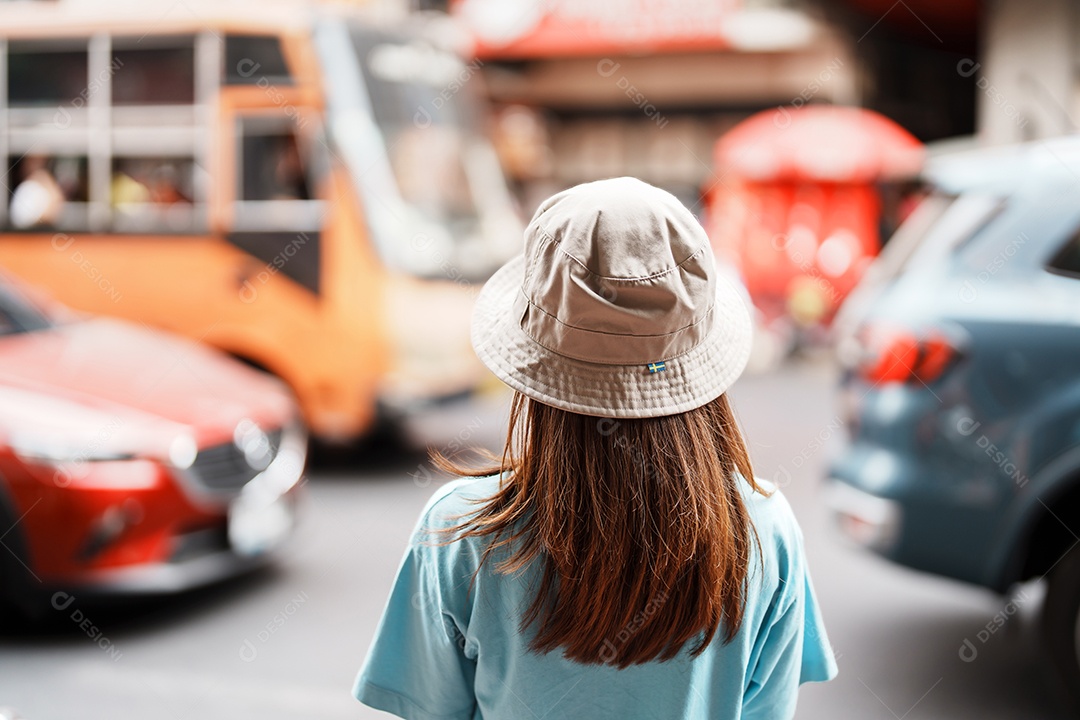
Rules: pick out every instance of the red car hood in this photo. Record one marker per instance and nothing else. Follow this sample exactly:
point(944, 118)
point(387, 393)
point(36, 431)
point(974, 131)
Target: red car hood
point(143, 375)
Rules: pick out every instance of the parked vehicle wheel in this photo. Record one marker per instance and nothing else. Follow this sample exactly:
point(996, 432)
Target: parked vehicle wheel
point(1061, 624)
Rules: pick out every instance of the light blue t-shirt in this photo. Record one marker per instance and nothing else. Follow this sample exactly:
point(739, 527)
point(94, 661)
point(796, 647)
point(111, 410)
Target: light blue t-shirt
point(443, 652)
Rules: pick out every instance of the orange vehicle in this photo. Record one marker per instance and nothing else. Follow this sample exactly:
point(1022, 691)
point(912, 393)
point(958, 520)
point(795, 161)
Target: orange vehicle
point(303, 189)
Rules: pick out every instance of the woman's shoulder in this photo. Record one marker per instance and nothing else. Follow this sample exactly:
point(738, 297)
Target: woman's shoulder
point(434, 538)
point(772, 514)
point(456, 498)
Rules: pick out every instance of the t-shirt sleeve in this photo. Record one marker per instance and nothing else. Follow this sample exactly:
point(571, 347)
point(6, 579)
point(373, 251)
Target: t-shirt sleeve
point(793, 649)
point(818, 660)
point(416, 667)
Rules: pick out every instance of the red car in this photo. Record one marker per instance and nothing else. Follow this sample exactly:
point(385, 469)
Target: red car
point(132, 461)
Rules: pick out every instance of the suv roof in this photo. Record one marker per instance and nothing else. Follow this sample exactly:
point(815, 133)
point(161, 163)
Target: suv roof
point(1007, 169)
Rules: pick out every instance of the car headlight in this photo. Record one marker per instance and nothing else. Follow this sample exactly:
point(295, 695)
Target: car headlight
point(182, 451)
point(46, 429)
point(43, 448)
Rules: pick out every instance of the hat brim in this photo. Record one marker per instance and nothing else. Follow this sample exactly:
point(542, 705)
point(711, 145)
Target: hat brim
point(615, 391)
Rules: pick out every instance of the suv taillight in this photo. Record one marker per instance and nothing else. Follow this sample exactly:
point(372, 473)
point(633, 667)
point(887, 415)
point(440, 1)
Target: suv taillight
point(905, 357)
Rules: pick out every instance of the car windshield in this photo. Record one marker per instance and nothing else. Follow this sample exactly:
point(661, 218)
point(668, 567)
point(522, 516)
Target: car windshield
point(403, 117)
point(426, 129)
point(17, 314)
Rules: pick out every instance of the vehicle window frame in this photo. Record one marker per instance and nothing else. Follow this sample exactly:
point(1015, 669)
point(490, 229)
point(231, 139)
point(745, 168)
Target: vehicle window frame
point(902, 247)
point(172, 131)
point(252, 75)
point(132, 43)
point(1070, 246)
point(973, 226)
point(4, 140)
point(77, 45)
point(26, 317)
point(282, 233)
point(280, 215)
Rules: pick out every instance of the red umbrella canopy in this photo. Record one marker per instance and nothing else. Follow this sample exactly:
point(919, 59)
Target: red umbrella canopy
point(822, 143)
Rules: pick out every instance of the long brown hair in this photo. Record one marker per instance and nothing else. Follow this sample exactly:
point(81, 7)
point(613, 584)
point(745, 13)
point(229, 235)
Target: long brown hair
point(639, 527)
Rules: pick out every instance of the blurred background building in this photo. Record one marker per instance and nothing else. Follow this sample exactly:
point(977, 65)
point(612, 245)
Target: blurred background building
point(586, 88)
point(603, 80)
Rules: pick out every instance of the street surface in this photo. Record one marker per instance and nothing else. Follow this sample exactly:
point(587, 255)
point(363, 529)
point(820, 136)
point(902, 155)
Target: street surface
point(286, 643)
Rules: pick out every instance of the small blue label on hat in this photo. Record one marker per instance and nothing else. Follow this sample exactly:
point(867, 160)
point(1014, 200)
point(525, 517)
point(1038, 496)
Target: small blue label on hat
point(657, 367)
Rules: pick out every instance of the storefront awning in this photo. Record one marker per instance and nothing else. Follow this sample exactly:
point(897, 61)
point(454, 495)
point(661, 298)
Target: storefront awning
point(819, 143)
point(542, 29)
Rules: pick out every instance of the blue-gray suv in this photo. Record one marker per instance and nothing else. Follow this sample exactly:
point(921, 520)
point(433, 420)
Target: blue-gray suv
point(961, 386)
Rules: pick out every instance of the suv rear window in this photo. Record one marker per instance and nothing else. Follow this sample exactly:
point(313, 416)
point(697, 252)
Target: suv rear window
point(1067, 259)
point(949, 230)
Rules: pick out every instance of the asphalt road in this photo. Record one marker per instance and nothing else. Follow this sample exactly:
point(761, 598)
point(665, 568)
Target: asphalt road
point(287, 643)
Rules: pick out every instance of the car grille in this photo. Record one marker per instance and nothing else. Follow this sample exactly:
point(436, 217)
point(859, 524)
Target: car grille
point(223, 468)
point(193, 544)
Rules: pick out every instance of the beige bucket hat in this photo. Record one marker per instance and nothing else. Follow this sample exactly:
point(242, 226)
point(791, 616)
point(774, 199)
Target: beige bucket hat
point(615, 309)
